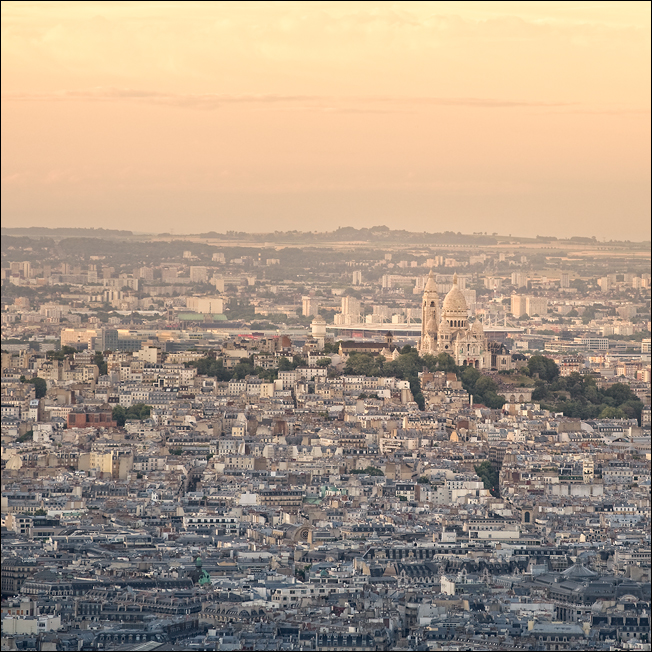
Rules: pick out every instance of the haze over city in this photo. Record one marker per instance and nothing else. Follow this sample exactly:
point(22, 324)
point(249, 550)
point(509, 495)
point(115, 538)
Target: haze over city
point(529, 118)
point(326, 326)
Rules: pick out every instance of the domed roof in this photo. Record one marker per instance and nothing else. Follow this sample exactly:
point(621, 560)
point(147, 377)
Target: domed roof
point(318, 320)
point(578, 571)
point(455, 301)
point(431, 284)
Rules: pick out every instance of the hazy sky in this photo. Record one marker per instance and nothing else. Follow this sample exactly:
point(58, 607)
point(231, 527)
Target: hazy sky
point(518, 117)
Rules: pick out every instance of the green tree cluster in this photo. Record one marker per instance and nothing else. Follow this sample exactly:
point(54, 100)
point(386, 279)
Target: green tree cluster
point(546, 368)
point(579, 397)
point(61, 353)
point(331, 347)
point(488, 473)
point(40, 386)
point(210, 367)
point(408, 365)
point(483, 388)
point(215, 368)
point(98, 359)
point(370, 470)
point(138, 411)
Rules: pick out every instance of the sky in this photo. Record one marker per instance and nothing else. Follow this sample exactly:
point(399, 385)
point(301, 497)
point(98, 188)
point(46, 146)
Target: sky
point(529, 118)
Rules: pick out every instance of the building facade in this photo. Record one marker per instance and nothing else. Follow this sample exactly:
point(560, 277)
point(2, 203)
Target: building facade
point(448, 330)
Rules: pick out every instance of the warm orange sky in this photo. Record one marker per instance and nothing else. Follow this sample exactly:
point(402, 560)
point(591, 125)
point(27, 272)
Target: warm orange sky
point(518, 117)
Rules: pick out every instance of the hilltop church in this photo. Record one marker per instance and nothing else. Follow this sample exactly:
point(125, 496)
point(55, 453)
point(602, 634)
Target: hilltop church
point(448, 330)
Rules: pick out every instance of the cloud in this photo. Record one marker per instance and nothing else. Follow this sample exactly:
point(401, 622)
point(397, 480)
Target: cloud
point(478, 102)
point(296, 102)
point(607, 112)
point(190, 100)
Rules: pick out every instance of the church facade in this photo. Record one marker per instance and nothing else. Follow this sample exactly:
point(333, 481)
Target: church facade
point(447, 330)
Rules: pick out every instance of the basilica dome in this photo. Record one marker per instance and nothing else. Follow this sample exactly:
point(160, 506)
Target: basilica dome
point(455, 301)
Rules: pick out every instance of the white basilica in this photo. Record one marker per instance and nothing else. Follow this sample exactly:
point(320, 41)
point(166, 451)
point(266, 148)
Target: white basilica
point(448, 330)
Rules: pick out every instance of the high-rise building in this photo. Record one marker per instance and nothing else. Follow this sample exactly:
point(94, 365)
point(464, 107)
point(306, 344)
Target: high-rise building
point(518, 305)
point(351, 310)
point(528, 305)
point(565, 280)
point(519, 279)
point(493, 283)
point(146, 273)
point(107, 340)
point(198, 274)
point(206, 305)
point(357, 278)
point(310, 307)
point(536, 306)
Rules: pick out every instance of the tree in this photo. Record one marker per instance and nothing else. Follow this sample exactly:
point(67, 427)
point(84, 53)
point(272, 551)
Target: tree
point(331, 347)
point(40, 386)
point(362, 364)
point(119, 415)
point(323, 362)
point(546, 368)
point(298, 361)
point(488, 473)
point(61, 353)
point(284, 365)
point(138, 411)
point(612, 413)
point(370, 470)
point(98, 359)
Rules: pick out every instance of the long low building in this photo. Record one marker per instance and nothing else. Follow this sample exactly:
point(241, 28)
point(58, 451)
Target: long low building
point(411, 330)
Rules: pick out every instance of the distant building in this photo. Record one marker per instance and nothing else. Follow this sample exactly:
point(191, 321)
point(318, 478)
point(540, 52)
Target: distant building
point(450, 332)
point(107, 340)
point(309, 307)
point(198, 274)
point(519, 279)
point(206, 305)
point(84, 417)
point(517, 307)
